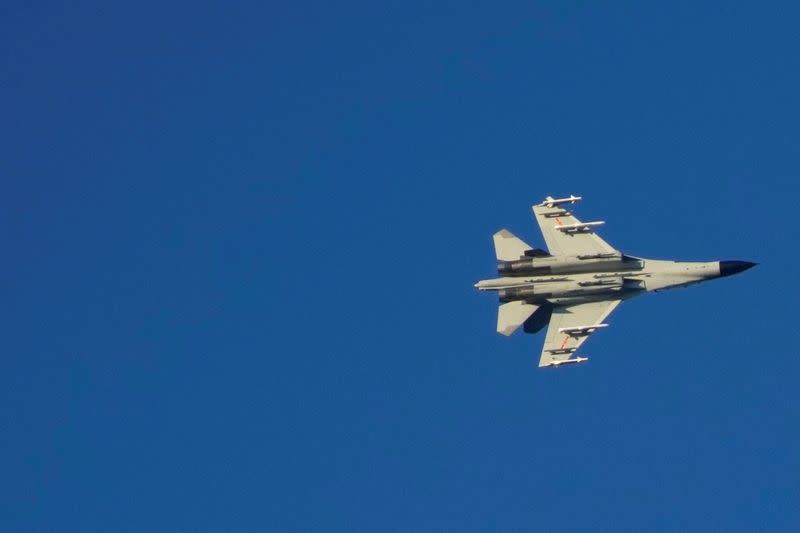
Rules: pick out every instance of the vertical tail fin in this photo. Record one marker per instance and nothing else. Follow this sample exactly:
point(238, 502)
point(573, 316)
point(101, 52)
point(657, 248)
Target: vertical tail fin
point(512, 315)
point(508, 247)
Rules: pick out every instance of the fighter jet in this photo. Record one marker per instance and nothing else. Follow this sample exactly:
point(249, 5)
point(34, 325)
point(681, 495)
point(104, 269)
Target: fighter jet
point(574, 285)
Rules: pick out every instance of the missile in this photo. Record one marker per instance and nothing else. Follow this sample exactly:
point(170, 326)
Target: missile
point(552, 202)
point(580, 226)
point(582, 330)
point(567, 362)
point(562, 350)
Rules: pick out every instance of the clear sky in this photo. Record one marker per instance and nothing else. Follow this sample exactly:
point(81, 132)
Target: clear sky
point(240, 241)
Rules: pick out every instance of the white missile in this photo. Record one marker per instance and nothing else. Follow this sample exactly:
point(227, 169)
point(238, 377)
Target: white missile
point(580, 226)
point(581, 330)
point(567, 362)
point(552, 202)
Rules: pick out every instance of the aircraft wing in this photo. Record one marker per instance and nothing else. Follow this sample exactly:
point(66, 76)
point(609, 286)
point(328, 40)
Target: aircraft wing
point(570, 325)
point(571, 239)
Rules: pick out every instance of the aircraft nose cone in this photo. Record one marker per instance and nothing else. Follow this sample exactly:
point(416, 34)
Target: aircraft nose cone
point(727, 268)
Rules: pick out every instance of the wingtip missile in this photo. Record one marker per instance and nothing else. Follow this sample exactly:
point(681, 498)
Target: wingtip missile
point(566, 362)
point(552, 202)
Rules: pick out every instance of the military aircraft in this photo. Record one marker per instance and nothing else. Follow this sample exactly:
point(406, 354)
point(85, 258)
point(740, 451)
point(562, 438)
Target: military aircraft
point(579, 281)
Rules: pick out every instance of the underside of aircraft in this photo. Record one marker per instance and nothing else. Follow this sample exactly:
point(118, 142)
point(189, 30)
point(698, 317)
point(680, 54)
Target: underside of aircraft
point(574, 285)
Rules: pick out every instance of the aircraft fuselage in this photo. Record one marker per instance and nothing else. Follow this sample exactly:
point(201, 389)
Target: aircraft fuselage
point(580, 279)
point(572, 279)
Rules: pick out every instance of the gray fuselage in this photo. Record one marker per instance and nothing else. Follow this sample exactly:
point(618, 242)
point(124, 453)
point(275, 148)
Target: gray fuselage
point(572, 279)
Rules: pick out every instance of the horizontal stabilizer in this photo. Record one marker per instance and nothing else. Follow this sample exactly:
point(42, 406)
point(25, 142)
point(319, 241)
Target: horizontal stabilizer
point(512, 315)
point(509, 247)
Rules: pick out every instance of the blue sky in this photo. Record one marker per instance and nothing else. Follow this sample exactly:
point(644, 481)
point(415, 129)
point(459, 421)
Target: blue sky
point(241, 240)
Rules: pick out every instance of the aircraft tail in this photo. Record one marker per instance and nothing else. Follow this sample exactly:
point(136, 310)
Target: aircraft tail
point(512, 315)
point(508, 247)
